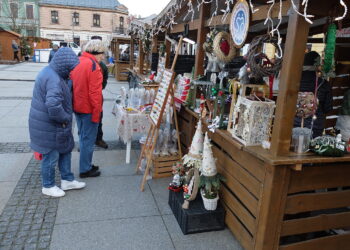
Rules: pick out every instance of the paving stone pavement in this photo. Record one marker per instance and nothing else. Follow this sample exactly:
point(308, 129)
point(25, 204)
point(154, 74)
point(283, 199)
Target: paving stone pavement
point(28, 218)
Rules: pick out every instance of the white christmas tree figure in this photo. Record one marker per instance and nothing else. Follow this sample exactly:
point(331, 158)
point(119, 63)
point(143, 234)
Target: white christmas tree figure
point(194, 156)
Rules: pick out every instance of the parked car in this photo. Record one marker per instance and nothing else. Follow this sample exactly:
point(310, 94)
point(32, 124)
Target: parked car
point(76, 48)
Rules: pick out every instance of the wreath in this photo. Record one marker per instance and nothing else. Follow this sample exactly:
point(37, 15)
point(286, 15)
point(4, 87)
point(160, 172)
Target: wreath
point(259, 64)
point(223, 47)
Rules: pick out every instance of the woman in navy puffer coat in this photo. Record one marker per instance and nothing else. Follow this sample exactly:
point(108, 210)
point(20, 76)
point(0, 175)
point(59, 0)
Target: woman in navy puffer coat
point(50, 122)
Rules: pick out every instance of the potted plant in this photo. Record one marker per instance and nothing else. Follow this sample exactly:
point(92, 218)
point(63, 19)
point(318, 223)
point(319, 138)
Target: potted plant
point(210, 179)
point(210, 187)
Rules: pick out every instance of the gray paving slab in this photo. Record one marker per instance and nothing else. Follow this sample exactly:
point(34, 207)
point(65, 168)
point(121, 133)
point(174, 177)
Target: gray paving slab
point(145, 233)
point(10, 103)
point(3, 66)
point(111, 163)
point(106, 198)
point(218, 240)
point(23, 93)
point(14, 135)
point(13, 165)
point(4, 111)
point(24, 105)
point(6, 189)
point(23, 76)
point(16, 118)
point(160, 191)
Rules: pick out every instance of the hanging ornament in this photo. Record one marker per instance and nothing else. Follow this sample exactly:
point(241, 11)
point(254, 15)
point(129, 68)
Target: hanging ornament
point(239, 23)
point(259, 64)
point(223, 47)
point(330, 49)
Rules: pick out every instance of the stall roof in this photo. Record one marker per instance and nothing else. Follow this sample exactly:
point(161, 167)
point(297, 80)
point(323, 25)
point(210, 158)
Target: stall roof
point(11, 32)
point(320, 9)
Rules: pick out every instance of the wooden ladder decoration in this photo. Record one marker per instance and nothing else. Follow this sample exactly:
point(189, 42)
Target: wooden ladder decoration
point(166, 89)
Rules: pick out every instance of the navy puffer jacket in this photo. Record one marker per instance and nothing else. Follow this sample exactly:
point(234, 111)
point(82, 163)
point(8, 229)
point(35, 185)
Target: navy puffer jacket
point(50, 118)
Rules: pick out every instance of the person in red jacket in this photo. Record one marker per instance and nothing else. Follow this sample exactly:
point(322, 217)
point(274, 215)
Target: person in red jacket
point(87, 103)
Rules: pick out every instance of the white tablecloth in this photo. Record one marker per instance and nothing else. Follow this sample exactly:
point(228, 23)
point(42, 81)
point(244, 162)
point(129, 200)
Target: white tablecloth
point(129, 124)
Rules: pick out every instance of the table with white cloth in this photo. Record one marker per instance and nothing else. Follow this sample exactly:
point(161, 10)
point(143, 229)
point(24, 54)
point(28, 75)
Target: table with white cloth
point(130, 124)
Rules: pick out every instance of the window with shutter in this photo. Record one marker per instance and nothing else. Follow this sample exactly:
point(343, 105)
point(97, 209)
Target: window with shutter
point(75, 18)
point(54, 16)
point(96, 20)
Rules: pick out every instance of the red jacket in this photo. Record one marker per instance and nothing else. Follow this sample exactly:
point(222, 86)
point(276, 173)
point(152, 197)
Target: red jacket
point(87, 87)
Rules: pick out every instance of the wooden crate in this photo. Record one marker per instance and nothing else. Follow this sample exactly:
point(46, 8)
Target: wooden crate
point(122, 71)
point(162, 166)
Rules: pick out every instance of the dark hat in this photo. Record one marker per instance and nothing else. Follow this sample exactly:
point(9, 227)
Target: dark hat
point(311, 58)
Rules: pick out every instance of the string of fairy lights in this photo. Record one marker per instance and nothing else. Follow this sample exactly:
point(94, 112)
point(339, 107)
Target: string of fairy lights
point(167, 20)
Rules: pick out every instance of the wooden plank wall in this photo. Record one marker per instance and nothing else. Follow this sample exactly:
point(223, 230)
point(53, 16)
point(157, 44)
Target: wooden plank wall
point(340, 84)
point(276, 207)
point(242, 191)
point(317, 201)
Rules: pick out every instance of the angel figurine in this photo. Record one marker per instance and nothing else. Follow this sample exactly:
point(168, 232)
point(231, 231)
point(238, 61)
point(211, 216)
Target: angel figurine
point(173, 148)
point(165, 145)
point(158, 146)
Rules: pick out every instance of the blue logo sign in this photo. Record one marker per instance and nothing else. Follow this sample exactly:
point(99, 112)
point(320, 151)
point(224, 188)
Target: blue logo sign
point(239, 23)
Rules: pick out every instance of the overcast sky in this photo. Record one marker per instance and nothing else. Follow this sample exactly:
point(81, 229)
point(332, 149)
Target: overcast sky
point(145, 7)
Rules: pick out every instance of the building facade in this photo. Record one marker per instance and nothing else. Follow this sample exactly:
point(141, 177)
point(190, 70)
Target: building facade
point(78, 20)
point(21, 16)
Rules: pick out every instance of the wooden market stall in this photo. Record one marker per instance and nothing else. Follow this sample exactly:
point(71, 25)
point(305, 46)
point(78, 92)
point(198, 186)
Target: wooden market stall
point(140, 48)
point(121, 51)
point(39, 43)
point(6, 38)
point(271, 195)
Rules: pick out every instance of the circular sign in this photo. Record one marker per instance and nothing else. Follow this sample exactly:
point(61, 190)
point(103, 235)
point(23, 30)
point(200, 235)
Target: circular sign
point(239, 24)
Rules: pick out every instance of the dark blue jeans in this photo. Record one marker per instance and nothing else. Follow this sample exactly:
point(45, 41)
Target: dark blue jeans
point(49, 164)
point(87, 137)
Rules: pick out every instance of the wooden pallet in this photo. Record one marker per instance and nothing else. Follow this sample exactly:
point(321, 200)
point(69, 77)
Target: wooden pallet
point(163, 166)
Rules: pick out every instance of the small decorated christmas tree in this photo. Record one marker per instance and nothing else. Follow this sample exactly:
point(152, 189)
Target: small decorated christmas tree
point(194, 156)
point(210, 180)
point(192, 162)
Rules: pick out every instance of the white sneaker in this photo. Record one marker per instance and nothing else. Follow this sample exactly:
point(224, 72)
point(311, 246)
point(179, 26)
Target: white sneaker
point(69, 185)
point(53, 191)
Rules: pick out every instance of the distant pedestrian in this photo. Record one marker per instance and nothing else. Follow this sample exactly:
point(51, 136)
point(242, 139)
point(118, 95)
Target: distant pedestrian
point(87, 103)
point(104, 69)
point(53, 51)
point(50, 122)
point(15, 49)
